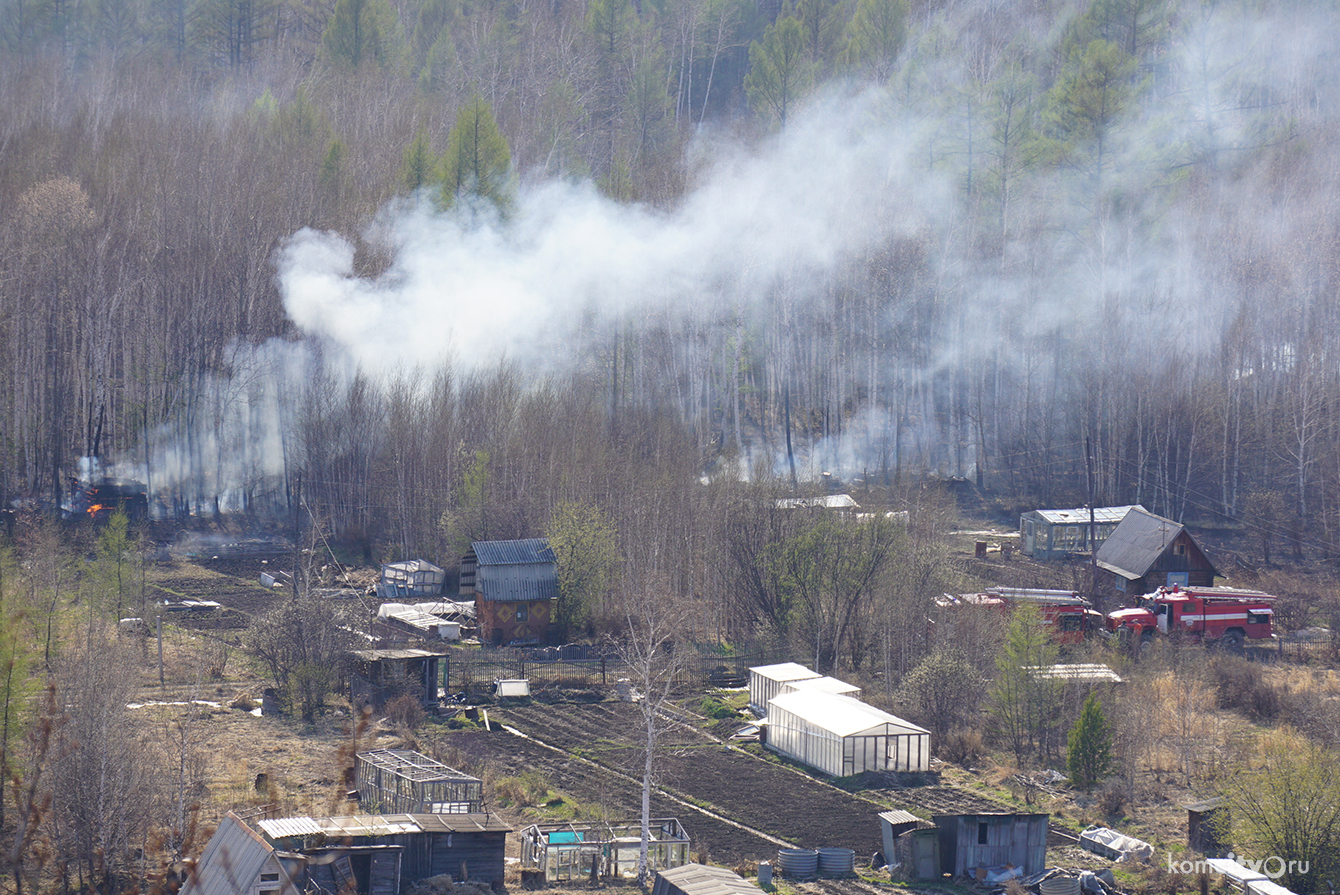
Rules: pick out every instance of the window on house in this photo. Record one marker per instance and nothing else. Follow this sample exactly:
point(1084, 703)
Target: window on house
point(981, 833)
point(269, 877)
point(522, 612)
point(1179, 549)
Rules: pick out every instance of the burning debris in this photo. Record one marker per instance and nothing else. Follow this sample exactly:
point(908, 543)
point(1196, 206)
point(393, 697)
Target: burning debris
point(101, 498)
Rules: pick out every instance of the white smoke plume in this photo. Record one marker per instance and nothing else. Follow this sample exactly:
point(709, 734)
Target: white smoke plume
point(836, 180)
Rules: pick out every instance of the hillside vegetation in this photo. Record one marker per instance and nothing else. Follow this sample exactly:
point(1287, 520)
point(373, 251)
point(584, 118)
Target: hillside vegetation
point(400, 263)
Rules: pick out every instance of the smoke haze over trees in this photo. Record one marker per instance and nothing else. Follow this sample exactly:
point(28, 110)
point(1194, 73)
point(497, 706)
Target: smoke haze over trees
point(974, 238)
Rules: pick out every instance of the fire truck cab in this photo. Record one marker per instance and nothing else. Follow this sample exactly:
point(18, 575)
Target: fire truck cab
point(1211, 615)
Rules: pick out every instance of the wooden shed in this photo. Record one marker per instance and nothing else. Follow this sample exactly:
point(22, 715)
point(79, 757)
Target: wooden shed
point(970, 841)
point(379, 675)
point(1147, 552)
point(842, 736)
point(766, 681)
point(1206, 823)
point(357, 855)
point(893, 824)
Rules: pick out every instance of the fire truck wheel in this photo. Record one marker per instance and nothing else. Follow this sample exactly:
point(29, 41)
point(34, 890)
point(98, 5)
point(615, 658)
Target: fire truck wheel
point(1232, 642)
point(1145, 640)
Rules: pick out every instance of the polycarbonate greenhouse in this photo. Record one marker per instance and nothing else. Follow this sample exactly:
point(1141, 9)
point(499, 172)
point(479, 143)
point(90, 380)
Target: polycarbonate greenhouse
point(842, 736)
point(766, 681)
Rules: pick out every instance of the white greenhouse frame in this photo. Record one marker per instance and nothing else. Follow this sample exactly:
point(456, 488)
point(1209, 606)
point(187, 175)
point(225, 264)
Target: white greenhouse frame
point(842, 736)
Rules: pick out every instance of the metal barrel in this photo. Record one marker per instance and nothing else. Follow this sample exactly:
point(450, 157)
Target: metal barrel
point(798, 863)
point(837, 861)
point(1060, 885)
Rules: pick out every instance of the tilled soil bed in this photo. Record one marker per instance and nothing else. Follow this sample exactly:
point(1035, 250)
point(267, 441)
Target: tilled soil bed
point(758, 793)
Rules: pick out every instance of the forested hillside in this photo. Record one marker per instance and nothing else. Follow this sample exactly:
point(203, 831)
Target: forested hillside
point(434, 266)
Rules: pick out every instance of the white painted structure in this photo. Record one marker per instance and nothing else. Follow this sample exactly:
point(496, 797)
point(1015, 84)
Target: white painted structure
point(842, 736)
point(766, 681)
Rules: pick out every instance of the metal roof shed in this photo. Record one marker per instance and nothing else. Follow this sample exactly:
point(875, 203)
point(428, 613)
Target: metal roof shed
point(842, 736)
point(765, 682)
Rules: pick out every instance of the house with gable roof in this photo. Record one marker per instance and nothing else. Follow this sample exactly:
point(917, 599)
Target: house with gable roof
point(1146, 552)
point(515, 588)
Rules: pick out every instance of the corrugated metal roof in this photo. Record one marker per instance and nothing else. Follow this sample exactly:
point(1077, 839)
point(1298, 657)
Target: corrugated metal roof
point(368, 825)
point(783, 672)
point(829, 501)
point(231, 861)
point(898, 817)
point(839, 715)
point(377, 655)
point(511, 553)
point(287, 827)
point(699, 879)
point(1084, 673)
point(1137, 543)
point(375, 825)
point(517, 583)
point(462, 823)
point(1081, 514)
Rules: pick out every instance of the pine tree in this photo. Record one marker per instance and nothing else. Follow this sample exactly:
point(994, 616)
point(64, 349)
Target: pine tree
point(478, 163)
point(1089, 756)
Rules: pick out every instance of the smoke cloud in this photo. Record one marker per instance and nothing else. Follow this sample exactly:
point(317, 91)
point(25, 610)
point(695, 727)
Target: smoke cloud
point(836, 181)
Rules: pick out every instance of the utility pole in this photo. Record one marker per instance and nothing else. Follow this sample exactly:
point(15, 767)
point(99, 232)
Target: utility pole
point(1093, 527)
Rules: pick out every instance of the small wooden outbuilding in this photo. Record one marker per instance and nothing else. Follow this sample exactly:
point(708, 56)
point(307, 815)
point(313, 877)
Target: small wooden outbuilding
point(357, 854)
point(379, 675)
point(1206, 823)
point(970, 841)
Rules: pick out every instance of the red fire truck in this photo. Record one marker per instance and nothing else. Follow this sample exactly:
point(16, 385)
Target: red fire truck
point(1070, 617)
point(1223, 616)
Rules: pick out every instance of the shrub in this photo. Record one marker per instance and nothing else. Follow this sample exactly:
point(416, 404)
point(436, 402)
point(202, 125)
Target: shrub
point(716, 709)
point(528, 790)
point(405, 711)
point(1240, 685)
point(962, 746)
point(1112, 800)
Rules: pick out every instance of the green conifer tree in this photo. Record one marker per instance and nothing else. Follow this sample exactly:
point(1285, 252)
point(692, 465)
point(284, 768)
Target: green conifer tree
point(1089, 756)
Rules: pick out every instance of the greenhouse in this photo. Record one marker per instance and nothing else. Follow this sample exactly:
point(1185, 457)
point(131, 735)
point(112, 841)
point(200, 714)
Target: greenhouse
point(399, 781)
point(561, 852)
point(767, 681)
point(842, 736)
